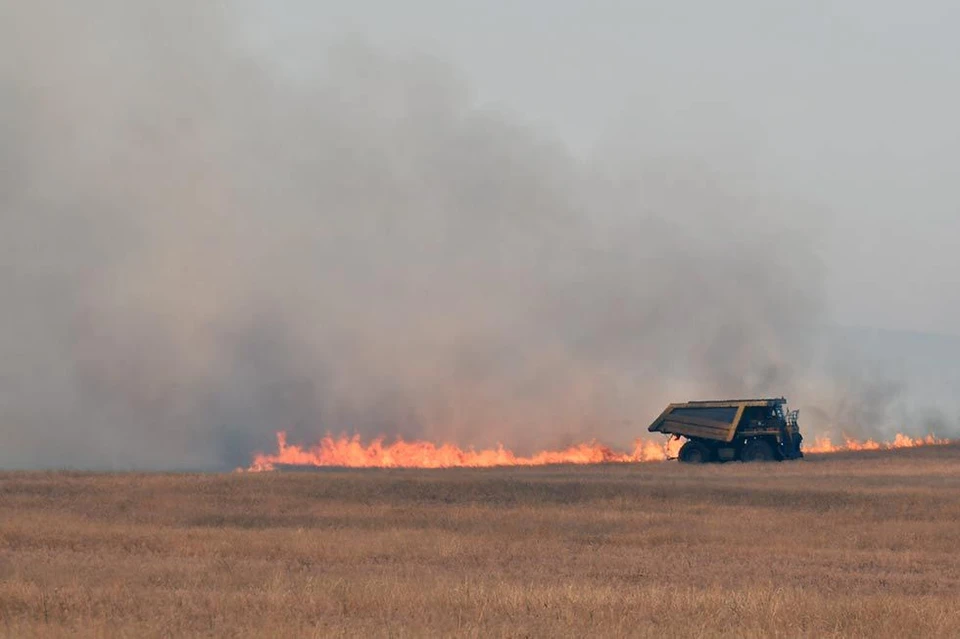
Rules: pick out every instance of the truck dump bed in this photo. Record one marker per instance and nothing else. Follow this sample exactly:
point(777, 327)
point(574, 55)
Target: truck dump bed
point(712, 420)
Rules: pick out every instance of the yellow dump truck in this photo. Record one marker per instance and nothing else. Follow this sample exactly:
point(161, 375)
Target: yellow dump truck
point(727, 430)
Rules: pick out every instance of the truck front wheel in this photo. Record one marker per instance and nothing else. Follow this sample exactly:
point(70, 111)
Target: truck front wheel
point(694, 453)
point(756, 450)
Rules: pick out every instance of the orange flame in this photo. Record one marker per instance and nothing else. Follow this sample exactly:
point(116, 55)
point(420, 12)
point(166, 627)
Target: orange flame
point(825, 445)
point(352, 452)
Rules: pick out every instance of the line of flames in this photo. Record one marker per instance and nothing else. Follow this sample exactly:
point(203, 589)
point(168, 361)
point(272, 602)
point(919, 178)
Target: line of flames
point(824, 445)
point(351, 452)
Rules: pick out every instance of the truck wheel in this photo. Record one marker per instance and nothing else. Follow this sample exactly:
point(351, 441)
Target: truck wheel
point(694, 453)
point(756, 450)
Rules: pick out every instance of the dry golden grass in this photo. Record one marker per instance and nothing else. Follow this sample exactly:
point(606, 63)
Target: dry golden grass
point(844, 545)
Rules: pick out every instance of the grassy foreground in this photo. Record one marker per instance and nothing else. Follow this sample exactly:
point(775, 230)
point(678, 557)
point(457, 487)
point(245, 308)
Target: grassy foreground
point(844, 545)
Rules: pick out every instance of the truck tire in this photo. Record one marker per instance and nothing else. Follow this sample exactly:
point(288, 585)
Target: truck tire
point(694, 453)
point(756, 450)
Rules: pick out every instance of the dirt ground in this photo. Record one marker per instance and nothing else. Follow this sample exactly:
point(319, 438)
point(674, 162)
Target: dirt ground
point(859, 544)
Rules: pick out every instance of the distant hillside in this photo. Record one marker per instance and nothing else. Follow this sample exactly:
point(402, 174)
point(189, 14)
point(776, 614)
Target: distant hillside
point(875, 381)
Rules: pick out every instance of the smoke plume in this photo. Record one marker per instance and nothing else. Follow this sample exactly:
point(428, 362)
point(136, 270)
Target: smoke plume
point(198, 250)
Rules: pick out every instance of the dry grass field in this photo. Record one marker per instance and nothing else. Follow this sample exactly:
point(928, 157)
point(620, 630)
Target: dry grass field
point(859, 544)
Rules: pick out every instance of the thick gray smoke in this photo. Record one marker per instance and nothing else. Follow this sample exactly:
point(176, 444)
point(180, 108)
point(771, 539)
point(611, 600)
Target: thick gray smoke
point(198, 250)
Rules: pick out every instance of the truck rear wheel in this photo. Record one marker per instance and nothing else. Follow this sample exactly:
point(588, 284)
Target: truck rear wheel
point(694, 453)
point(756, 450)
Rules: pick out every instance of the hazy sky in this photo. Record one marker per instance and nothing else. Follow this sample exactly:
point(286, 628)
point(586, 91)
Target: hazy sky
point(851, 106)
point(522, 222)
